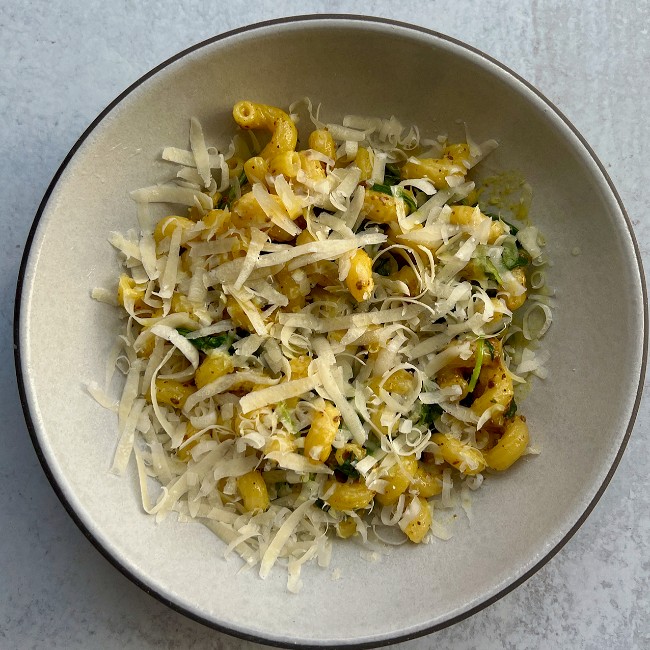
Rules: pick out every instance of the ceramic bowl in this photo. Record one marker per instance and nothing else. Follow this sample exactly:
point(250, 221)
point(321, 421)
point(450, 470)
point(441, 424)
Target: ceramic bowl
point(580, 417)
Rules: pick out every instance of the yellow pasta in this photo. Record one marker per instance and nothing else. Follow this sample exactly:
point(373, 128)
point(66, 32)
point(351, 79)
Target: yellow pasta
point(348, 496)
point(166, 227)
point(171, 392)
point(498, 390)
point(253, 491)
point(349, 450)
point(312, 168)
point(250, 115)
point(453, 377)
point(419, 526)
point(325, 424)
point(515, 301)
point(235, 167)
point(216, 223)
point(127, 290)
point(465, 215)
point(511, 445)
point(398, 479)
point(426, 483)
point(215, 365)
point(286, 163)
point(256, 169)
point(400, 382)
point(346, 528)
point(359, 279)
point(321, 140)
point(459, 455)
point(453, 163)
point(247, 212)
point(184, 452)
point(379, 207)
point(363, 160)
point(407, 275)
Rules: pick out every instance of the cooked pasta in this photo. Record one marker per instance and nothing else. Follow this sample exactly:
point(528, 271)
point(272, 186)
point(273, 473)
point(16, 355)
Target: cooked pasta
point(322, 340)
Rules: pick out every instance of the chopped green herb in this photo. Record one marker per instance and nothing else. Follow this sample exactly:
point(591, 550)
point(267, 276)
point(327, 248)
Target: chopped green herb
point(490, 348)
point(228, 198)
point(383, 188)
point(512, 409)
point(370, 446)
point(514, 257)
point(285, 417)
point(348, 469)
point(392, 175)
point(429, 413)
point(408, 199)
point(204, 343)
point(385, 266)
point(477, 366)
point(492, 270)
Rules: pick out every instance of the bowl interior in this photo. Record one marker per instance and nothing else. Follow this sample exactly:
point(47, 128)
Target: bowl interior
point(578, 417)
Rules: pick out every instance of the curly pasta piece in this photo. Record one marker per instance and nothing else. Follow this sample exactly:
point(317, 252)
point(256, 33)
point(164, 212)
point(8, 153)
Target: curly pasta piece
point(284, 135)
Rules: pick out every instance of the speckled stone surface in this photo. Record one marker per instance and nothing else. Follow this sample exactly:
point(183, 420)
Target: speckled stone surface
point(64, 61)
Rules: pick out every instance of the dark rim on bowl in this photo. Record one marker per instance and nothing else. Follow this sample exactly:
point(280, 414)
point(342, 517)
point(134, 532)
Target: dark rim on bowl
point(17, 343)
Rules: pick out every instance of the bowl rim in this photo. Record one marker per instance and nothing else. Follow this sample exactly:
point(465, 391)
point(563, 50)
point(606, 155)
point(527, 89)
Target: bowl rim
point(352, 19)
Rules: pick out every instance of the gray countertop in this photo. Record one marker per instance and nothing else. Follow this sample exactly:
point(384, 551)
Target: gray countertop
point(64, 61)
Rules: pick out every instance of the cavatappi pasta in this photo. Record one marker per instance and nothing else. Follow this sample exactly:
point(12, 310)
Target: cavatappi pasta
point(320, 338)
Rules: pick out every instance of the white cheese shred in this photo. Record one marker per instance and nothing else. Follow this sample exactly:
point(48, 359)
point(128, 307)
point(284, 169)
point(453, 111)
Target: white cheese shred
point(275, 547)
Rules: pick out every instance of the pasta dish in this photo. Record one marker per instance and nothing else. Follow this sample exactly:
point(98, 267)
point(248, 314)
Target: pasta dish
point(322, 339)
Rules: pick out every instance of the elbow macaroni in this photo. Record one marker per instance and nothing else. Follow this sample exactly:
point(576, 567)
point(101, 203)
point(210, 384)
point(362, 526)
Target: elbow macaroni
point(284, 135)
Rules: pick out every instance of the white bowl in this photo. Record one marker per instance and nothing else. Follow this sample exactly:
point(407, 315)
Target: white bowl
point(580, 418)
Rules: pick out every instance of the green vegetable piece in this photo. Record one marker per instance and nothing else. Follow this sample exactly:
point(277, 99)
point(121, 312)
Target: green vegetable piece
point(514, 257)
point(492, 270)
point(385, 266)
point(383, 188)
point(387, 189)
point(284, 416)
point(348, 469)
point(490, 348)
point(429, 413)
point(409, 201)
point(212, 342)
point(370, 446)
point(228, 198)
point(477, 366)
point(392, 175)
point(512, 409)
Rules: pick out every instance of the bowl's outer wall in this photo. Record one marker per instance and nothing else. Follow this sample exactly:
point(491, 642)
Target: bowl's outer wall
point(578, 417)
